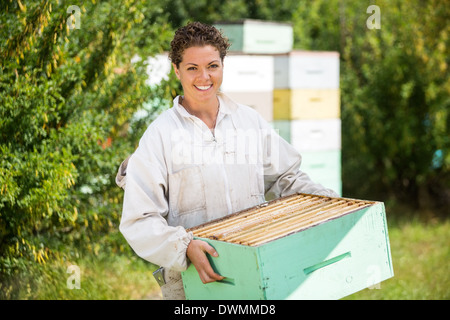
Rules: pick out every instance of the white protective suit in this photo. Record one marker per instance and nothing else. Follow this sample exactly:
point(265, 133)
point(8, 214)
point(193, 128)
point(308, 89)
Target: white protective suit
point(183, 175)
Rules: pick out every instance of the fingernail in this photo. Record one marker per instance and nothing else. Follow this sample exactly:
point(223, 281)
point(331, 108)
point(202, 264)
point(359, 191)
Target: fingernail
point(215, 254)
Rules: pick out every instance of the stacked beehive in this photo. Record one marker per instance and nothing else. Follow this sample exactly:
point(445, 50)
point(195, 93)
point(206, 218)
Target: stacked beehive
point(248, 79)
point(297, 91)
point(306, 112)
point(249, 68)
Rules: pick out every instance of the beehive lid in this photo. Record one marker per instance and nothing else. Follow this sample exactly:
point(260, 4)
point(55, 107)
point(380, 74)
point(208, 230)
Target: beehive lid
point(277, 218)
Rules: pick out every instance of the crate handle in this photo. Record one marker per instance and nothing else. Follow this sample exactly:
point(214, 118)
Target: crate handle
point(226, 280)
point(326, 263)
point(316, 134)
point(314, 71)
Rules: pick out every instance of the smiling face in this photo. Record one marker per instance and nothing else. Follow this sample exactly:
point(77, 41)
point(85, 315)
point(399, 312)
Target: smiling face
point(200, 73)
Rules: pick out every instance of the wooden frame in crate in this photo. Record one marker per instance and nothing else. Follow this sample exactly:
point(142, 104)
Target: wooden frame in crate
point(296, 247)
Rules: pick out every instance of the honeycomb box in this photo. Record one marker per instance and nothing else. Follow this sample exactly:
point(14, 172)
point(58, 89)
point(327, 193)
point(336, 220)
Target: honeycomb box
point(295, 247)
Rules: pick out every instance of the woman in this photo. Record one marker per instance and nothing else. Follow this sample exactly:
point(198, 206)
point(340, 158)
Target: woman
point(204, 158)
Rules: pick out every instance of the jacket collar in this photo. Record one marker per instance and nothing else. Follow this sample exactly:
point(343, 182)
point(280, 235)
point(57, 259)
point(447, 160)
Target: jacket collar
point(227, 106)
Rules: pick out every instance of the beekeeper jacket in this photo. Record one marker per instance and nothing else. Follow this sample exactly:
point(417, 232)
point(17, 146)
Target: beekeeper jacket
point(183, 174)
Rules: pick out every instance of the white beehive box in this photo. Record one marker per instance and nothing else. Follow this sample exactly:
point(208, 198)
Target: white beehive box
point(307, 70)
point(316, 135)
point(247, 73)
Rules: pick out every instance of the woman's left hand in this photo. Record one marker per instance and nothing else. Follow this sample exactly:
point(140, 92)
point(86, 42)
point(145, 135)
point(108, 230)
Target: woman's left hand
point(196, 252)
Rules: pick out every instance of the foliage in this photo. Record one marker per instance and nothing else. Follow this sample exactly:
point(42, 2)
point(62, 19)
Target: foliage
point(66, 97)
point(209, 11)
point(396, 102)
point(394, 94)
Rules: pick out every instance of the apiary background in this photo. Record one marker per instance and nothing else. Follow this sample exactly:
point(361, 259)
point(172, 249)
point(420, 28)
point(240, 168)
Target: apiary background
point(285, 250)
point(297, 91)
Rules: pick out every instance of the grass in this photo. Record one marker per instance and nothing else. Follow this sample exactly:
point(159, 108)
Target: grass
point(120, 278)
point(115, 277)
point(419, 246)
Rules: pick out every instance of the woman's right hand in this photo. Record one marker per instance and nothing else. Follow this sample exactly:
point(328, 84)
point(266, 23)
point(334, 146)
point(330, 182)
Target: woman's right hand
point(196, 252)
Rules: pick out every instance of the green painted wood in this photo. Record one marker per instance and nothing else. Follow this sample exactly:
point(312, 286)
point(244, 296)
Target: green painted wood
point(283, 128)
point(258, 37)
point(239, 264)
point(322, 165)
point(265, 38)
point(235, 35)
point(328, 261)
point(331, 260)
point(334, 184)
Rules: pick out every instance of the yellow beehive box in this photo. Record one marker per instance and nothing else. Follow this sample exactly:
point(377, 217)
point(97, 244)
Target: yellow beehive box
point(306, 104)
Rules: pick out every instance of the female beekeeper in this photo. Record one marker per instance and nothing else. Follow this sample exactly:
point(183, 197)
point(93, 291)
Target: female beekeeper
point(204, 158)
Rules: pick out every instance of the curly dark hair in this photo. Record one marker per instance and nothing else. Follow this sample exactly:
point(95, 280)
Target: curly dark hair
point(196, 34)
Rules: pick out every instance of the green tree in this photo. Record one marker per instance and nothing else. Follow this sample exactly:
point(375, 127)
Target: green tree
point(396, 103)
point(66, 100)
point(394, 93)
point(210, 11)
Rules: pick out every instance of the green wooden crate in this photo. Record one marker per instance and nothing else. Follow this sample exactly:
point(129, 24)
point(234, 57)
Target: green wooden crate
point(333, 183)
point(317, 254)
point(257, 36)
point(283, 128)
point(323, 165)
